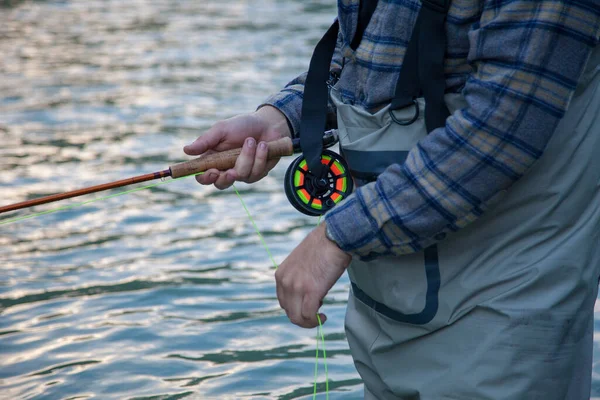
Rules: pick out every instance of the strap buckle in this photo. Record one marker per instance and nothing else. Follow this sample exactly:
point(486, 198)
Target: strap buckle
point(405, 122)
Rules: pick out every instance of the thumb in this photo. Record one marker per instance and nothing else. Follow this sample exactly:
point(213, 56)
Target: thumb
point(310, 308)
point(208, 141)
point(322, 318)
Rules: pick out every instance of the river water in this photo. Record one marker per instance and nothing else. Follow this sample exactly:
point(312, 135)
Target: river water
point(165, 293)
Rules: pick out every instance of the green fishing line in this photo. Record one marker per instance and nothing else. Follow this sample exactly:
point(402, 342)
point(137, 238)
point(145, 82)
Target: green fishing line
point(320, 332)
point(83, 203)
point(320, 328)
point(323, 340)
point(316, 367)
point(260, 236)
point(324, 358)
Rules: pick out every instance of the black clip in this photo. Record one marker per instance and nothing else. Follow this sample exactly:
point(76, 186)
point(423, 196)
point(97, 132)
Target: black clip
point(334, 77)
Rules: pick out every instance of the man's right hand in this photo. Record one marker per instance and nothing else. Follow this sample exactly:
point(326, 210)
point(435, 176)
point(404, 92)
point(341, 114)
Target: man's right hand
point(249, 131)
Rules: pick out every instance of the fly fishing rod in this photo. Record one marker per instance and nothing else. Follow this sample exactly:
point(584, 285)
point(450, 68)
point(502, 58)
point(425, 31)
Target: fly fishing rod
point(222, 161)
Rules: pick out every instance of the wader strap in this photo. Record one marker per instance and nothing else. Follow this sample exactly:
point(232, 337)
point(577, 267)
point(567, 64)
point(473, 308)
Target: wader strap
point(422, 70)
point(365, 12)
point(371, 167)
point(422, 73)
point(316, 93)
point(314, 102)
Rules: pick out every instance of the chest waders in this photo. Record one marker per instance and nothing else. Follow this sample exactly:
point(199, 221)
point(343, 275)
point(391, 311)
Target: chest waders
point(502, 309)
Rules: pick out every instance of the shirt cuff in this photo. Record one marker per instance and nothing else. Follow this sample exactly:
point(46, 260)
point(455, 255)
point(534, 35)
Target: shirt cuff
point(351, 227)
point(289, 102)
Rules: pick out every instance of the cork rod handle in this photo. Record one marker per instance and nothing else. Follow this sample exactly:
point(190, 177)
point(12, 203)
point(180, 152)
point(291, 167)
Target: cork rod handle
point(226, 159)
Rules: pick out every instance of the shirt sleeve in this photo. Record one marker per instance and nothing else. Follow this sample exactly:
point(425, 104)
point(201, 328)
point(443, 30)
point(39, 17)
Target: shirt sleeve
point(289, 99)
point(527, 58)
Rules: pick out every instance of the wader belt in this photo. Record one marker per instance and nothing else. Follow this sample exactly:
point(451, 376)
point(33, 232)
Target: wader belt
point(421, 75)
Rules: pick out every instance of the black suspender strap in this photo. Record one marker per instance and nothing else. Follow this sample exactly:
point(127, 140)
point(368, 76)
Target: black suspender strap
point(422, 70)
point(314, 101)
point(422, 74)
point(316, 94)
point(366, 10)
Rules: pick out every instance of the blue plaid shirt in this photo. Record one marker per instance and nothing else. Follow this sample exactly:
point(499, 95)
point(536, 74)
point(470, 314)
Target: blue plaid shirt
point(517, 62)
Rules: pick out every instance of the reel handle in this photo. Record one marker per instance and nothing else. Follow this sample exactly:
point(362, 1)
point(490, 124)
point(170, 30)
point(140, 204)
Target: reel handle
point(225, 160)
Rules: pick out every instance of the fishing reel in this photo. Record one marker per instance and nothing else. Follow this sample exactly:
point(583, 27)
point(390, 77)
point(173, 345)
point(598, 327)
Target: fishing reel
point(315, 195)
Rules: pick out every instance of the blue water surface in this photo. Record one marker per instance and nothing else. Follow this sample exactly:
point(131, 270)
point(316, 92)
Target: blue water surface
point(165, 293)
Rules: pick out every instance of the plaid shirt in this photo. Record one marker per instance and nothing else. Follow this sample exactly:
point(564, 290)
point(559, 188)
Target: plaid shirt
point(517, 62)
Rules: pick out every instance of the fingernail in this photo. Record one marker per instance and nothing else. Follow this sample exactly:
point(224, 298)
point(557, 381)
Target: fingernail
point(213, 175)
point(262, 146)
point(250, 142)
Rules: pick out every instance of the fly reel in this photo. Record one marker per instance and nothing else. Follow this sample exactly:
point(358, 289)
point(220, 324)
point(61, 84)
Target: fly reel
point(312, 195)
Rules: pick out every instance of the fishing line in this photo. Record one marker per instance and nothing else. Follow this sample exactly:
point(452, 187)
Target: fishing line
point(83, 203)
point(319, 329)
point(260, 236)
point(316, 366)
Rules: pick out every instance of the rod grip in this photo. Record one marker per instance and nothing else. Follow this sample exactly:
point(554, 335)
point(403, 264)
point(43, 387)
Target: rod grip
point(225, 160)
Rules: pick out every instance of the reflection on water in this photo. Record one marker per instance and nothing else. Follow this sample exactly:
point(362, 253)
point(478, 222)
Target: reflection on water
point(163, 293)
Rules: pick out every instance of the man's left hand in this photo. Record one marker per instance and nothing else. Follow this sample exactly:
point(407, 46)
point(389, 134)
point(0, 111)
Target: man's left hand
point(307, 274)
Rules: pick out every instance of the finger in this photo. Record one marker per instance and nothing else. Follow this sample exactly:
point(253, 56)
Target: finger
point(209, 177)
point(225, 179)
point(280, 289)
point(289, 295)
point(294, 292)
point(280, 296)
point(245, 161)
point(209, 140)
point(322, 317)
point(294, 309)
point(259, 168)
point(310, 307)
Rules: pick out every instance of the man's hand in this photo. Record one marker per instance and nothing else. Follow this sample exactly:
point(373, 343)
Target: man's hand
point(249, 131)
point(307, 274)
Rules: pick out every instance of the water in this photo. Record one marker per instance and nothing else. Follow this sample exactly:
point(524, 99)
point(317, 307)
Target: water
point(164, 293)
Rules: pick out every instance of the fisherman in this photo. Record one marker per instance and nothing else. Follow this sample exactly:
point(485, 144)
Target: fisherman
point(472, 240)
